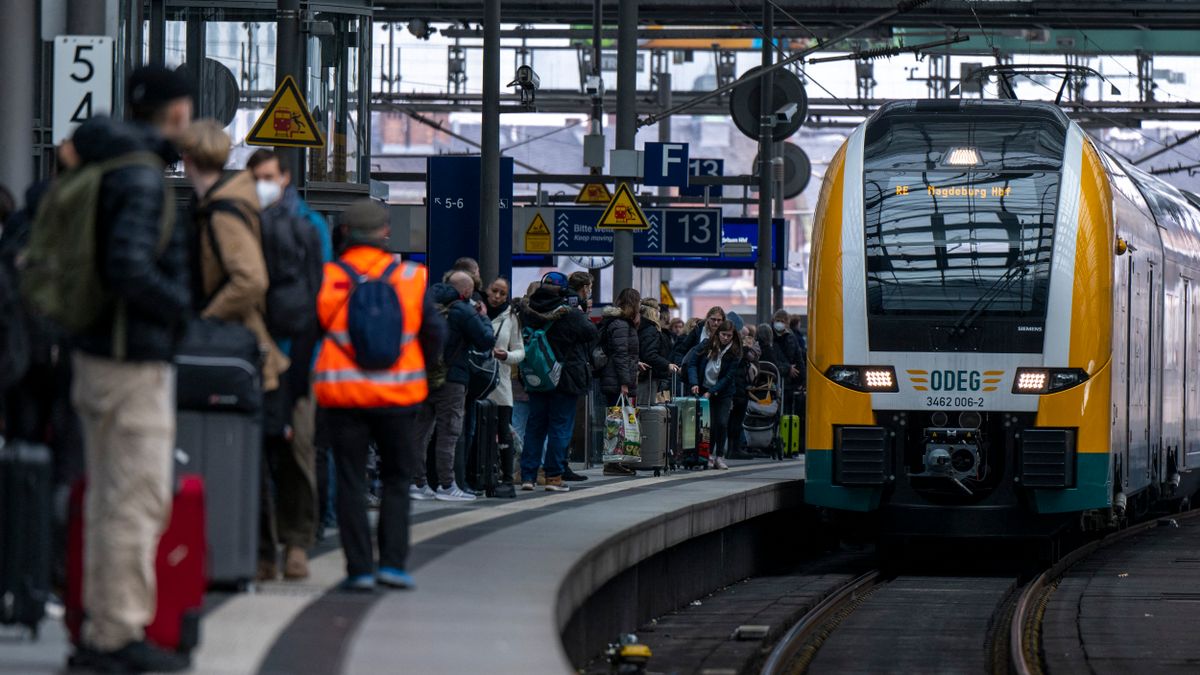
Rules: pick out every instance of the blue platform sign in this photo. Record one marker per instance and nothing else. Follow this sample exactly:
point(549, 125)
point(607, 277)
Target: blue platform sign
point(704, 167)
point(452, 197)
point(665, 164)
point(674, 231)
point(739, 248)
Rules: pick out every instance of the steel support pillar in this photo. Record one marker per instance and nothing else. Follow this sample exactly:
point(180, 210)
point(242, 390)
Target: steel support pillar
point(19, 35)
point(489, 175)
point(627, 24)
point(762, 267)
point(287, 62)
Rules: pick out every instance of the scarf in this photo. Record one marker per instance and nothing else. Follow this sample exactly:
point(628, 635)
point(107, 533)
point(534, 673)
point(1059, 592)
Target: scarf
point(494, 312)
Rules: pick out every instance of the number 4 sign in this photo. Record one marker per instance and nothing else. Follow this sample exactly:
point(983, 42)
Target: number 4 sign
point(83, 80)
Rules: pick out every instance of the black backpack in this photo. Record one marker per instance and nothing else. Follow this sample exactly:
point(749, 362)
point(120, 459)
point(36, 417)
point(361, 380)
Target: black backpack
point(292, 251)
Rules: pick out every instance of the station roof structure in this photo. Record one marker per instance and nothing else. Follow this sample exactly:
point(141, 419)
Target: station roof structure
point(991, 14)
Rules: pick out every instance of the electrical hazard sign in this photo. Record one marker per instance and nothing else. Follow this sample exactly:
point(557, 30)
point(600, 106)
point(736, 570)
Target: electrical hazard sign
point(623, 212)
point(286, 121)
point(594, 193)
point(537, 236)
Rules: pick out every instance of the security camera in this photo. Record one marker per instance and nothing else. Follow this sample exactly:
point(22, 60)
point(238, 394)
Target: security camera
point(526, 79)
point(593, 86)
point(785, 114)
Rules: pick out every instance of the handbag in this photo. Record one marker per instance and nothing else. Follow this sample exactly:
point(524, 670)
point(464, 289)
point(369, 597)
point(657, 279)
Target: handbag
point(622, 434)
point(484, 373)
point(219, 367)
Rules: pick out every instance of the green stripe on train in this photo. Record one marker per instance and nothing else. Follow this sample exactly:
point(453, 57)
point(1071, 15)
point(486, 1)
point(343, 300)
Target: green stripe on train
point(820, 490)
point(1093, 487)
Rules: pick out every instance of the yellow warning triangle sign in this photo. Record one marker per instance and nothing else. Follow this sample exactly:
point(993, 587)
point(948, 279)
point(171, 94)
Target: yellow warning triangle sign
point(594, 193)
point(623, 212)
point(286, 121)
point(665, 296)
point(537, 236)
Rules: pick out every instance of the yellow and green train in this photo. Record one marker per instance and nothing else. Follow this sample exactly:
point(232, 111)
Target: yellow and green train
point(1003, 325)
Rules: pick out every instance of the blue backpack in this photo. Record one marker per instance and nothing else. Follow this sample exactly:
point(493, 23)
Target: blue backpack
point(376, 321)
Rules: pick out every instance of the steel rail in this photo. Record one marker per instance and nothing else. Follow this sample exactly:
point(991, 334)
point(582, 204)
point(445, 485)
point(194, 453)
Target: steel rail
point(799, 634)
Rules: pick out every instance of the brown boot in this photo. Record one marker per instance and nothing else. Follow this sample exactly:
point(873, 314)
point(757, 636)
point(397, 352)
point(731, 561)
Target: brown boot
point(295, 565)
point(267, 570)
point(556, 484)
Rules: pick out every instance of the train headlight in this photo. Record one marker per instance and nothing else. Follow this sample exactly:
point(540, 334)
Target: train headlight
point(1046, 380)
point(961, 156)
point(864, 378)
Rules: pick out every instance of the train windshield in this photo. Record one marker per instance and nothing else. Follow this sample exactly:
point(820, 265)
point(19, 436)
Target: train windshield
point(959, 210)
point(948, 242)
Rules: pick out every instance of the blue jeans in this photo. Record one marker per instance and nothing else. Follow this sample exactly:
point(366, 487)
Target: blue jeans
point(551, 422)
point(520, 417)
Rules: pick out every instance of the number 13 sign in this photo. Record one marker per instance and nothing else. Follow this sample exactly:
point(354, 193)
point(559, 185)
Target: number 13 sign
point(83, 81)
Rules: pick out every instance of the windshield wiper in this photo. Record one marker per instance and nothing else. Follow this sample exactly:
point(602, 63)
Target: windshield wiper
point(998, 287)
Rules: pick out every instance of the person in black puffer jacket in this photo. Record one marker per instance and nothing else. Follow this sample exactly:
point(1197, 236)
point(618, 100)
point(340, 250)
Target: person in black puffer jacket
point(714, 370)
point(619, 340)
point(552, 414)
point(127, 404)
point(654, 350)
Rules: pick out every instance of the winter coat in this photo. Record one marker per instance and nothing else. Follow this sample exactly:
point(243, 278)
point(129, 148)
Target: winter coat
point(787, 353)
point(468, 330)
point(654, 347)
point(154, 287)
point(726, 381)
point(231, 283)
point(508, 337)
point(619, 339)
point(571, 336)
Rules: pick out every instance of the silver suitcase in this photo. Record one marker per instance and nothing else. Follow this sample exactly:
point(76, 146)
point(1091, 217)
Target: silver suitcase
point(655, 423)
point(226, 449)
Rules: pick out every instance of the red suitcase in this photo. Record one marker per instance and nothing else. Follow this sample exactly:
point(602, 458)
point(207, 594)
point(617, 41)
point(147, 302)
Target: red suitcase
point(180, 569)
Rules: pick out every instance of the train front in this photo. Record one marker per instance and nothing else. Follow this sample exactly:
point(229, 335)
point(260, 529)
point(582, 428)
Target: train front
point(960, 321)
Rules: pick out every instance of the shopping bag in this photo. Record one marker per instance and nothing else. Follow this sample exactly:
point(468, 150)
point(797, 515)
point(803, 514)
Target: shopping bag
point(622, 434)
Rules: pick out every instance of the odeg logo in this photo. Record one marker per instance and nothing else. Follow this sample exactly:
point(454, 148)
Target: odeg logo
point(955, 380)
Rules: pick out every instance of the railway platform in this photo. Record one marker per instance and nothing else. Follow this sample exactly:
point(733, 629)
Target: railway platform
point(503, 586)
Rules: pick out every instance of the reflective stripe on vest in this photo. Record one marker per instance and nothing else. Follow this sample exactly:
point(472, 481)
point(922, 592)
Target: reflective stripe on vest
point(373, 377)
point(342, 339)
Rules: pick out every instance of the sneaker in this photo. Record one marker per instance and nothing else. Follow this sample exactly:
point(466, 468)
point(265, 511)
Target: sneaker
point(395, 578)
point(421, 494)
point(453, 494)
point(267, 571)
point(555, 484)
point(571, 476)
point(527, 486)
point(135, 657)
point(712, 462)
point(363, 583)
point(721, 463)
point(505, 491)
point(295, 564)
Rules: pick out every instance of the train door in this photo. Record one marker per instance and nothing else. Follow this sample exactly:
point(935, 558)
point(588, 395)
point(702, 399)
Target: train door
point(1138, 341)
point(1189, 457)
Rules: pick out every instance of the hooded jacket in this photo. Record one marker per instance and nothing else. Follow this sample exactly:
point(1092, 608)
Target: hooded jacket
point(571, 336)
point(730, 373)
point(129, 218)
point(619, 339)
point(468, 330)
point(232, 274)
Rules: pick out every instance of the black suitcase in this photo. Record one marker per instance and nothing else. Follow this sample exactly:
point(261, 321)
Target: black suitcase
point(218, 368)
point(673, 449)
point(25, 533)
point(485, 451)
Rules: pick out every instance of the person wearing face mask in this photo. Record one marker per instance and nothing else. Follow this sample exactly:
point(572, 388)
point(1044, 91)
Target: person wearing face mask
point(714, 369)
point(289, 512)
point(788, 355)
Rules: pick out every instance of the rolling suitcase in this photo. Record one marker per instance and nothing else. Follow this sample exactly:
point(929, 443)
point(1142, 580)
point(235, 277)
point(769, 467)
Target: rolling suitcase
point(225, 449)
point(25, 534)
point(789, 435)
point(655, 422)
point(694, 422)
point(486, 448)
point(178, 568)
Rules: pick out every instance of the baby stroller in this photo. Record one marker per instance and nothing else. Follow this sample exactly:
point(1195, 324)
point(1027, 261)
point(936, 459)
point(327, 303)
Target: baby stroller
point(764, 411)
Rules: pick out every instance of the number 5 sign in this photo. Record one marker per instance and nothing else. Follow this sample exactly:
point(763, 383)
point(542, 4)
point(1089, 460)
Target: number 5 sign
point(83, 80)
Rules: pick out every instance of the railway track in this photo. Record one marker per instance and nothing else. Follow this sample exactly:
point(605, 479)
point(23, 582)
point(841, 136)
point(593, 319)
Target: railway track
point(876, 623)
